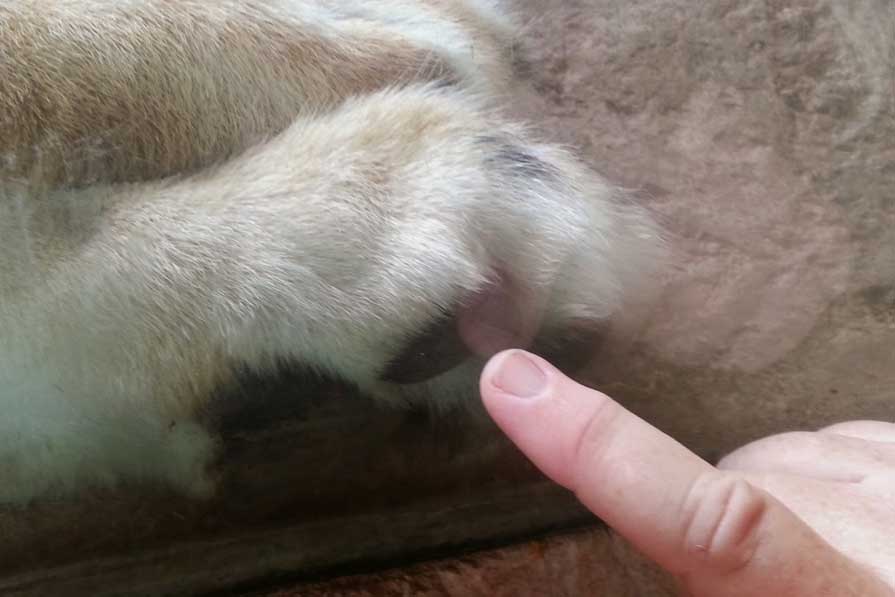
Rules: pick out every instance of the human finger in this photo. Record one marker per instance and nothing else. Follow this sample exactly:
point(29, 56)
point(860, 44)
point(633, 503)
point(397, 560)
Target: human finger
point(721, 535)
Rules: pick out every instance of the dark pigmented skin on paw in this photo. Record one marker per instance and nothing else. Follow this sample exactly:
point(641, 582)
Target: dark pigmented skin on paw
point(435, 350)
point(572, 349)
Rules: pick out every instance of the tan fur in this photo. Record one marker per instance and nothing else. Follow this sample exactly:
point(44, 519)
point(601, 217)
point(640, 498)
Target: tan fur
point(191, 187)
point(161, 99)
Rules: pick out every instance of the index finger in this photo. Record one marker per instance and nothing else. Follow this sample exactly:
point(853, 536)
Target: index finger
point(585, 441)
point(721, 535)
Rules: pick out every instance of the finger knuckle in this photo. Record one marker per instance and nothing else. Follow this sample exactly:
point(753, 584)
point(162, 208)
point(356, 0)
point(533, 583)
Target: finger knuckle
point(723, 520)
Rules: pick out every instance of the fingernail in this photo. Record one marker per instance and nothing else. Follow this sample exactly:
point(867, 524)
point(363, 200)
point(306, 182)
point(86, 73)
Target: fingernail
point(517, 374)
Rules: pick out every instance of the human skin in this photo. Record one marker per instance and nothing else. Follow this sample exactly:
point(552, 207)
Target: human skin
point(792, 515)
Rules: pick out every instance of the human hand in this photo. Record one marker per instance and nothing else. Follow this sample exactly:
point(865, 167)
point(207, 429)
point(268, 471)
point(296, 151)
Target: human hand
point(798, 514)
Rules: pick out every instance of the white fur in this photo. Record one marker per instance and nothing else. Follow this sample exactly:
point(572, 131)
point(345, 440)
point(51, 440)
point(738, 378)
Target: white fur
point(122, 305)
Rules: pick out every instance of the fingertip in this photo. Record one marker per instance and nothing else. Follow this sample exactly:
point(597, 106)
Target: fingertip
point(530, 401)
point(515, 373)
point(511, 385)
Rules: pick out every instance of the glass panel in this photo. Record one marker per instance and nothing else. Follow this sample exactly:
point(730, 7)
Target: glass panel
point(254, 256)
